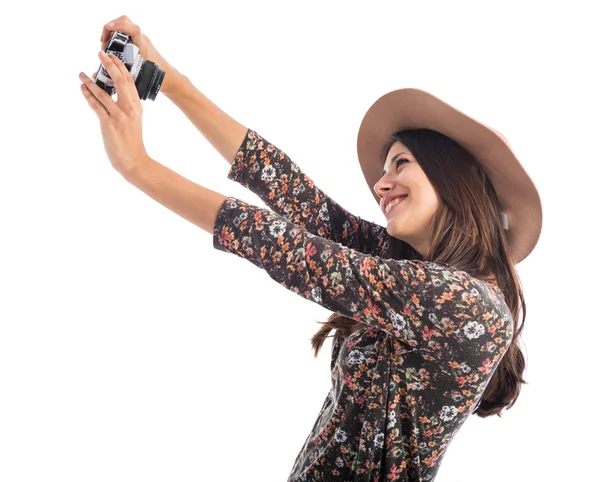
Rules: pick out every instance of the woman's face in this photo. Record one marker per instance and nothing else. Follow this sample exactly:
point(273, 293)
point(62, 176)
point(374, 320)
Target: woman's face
point(409, 220)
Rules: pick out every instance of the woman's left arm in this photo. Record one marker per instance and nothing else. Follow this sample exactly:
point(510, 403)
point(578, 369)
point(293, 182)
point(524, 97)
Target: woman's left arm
point(191, 201)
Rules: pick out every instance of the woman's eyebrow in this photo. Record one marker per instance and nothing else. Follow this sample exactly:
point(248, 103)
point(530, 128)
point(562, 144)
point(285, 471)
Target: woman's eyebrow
point(392, 160)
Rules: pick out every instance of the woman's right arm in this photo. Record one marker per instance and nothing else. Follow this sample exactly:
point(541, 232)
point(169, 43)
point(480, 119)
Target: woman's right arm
point(223, 132)
point(269, 173)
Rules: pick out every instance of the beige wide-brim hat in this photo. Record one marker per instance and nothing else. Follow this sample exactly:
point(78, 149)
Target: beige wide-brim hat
point(414, 108)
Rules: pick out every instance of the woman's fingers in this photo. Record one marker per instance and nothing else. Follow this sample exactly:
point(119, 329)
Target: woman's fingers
point(106, 33)
point(118, 63)
point(128, 81)
point(111, 27)
point(122, 24)
point(121, 77)
point(94, 103)
point(102, 97)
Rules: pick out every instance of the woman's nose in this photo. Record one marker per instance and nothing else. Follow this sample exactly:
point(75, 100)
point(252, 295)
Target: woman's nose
point(382, 186)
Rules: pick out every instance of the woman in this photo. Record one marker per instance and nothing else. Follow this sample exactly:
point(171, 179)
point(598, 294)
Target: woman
point(425, 309)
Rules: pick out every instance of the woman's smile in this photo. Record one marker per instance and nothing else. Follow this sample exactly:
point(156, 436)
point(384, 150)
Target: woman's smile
point(397, 202)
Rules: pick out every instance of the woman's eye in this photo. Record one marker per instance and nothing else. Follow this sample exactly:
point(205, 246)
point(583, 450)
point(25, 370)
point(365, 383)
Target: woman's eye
point(400, 160)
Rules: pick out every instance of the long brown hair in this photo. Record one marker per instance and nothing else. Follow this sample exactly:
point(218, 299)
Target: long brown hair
point(466, 233)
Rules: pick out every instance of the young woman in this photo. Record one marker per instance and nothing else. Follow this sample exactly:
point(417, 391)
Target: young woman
point(425, 309)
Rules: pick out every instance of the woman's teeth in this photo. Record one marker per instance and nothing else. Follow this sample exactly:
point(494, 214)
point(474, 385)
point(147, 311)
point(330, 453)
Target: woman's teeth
point(393, 203)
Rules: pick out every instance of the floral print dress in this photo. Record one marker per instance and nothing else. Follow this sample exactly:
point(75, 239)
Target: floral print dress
point(405, 383)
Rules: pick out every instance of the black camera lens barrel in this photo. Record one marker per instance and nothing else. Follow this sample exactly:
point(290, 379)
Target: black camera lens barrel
point(149, 80)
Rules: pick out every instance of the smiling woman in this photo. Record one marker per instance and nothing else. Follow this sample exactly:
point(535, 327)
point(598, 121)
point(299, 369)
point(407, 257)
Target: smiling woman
point(397, 316)
point(368, 278)
point(406, 188)
point(416, 323)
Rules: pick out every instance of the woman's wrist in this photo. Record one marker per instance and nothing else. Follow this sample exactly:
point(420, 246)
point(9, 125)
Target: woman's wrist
point(174, 80)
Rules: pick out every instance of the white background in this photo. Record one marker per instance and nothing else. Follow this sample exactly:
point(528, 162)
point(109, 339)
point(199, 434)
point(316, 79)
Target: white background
point(131, 350)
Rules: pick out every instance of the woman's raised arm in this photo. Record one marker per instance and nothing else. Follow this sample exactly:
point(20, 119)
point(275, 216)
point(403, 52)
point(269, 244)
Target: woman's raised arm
point(269, 173)
point(223, 132)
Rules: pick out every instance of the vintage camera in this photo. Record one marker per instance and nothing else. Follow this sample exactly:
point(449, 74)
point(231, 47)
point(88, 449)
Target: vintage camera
point(148, 76)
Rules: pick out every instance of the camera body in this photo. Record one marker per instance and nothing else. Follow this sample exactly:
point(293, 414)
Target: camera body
point(147, 75)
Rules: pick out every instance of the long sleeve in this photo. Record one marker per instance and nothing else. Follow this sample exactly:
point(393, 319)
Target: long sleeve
point(413, 300)
point(279, 182)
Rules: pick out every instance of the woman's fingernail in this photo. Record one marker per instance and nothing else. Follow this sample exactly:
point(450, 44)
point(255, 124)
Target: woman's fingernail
point(111, 24)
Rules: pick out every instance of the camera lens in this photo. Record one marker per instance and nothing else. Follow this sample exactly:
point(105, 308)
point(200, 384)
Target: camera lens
point(149, 80)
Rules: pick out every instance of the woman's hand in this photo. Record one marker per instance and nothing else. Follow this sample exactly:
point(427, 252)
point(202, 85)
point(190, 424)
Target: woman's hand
point(120, 121)
point(146, 49)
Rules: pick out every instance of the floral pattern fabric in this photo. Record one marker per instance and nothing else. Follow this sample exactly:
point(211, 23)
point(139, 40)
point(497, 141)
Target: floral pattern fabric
point(402, 385)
